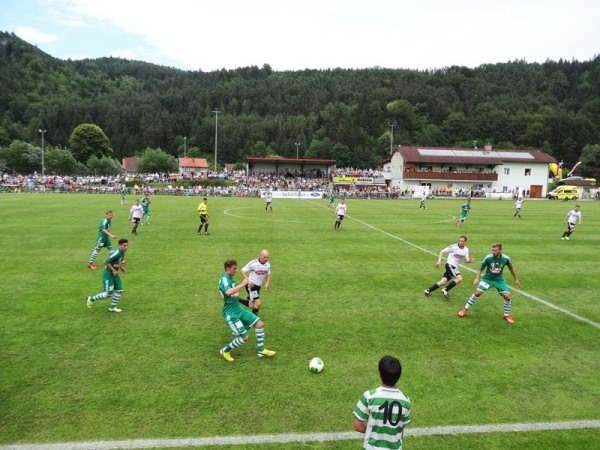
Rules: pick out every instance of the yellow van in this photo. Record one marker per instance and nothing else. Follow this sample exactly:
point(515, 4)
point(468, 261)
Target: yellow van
point(564, 193)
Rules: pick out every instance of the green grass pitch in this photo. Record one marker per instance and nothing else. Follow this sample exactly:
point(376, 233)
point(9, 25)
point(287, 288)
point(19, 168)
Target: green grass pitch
point(350, 296)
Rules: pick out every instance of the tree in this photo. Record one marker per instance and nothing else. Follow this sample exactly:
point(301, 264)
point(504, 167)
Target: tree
point(89, 140)
point(590, 161)
point(104, 166)
point(60, 161)
point(153, 161)
point(21, 157)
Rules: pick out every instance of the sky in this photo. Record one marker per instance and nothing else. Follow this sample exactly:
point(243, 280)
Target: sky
point(309, 34)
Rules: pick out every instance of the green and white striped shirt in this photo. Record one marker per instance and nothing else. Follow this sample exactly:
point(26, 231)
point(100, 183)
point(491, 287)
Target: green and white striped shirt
point(386, 412)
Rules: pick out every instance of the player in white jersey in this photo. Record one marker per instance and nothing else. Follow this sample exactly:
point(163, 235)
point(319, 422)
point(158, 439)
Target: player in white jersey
point(571, 219)
point(135, 215)
point(518, 205)
point(382, 413)
point(268, 200)
point(340, 212)
point(456, 253)
point(258, 272)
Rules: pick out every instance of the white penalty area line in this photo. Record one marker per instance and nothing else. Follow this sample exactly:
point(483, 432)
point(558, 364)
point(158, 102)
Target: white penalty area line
point(525, 294)
point(302, 438)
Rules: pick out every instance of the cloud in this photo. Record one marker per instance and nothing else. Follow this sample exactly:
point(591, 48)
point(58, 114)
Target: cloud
point(34, 36)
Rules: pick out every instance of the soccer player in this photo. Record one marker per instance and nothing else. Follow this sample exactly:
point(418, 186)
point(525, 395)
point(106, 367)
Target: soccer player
point(383, 412)
point(258, 271)
point(238, 319)
point(331, 199)
point(456, 253)
point(493, 264)
point(124, 196)
point(268, 200)
point(111, 281)
point(135, 215)
point(518, 205)
point(464, 210)
point(146, 205)
point(571, 219)
point(102, 240)
point(423, 198)
point(340, 212)
point(204, 218)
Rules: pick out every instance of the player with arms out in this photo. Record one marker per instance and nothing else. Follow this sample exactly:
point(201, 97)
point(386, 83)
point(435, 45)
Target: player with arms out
point(518, 206)
point(456, 253)
point(570, 220)
point(238, 319)
point(111, 281)
point(103, 239)
point(464, 210)
point(494, 264)
point(258, 271)
point(383, 412)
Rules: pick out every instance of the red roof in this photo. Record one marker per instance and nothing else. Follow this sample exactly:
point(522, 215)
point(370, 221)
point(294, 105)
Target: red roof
point(199, 163)
point(479, 156)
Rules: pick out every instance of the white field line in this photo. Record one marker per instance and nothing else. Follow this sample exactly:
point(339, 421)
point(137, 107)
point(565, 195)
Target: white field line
point(306, 437)
point(525, 294)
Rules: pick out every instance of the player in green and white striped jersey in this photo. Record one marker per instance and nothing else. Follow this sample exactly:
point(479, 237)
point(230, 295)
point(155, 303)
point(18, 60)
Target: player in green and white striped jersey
point(382, 413)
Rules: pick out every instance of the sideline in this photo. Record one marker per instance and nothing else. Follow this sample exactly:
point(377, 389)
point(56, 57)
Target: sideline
point(306, 437)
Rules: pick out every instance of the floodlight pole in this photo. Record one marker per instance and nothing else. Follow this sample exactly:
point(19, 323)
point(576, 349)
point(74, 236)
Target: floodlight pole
point(185, 147)
point(297, 144)
point(217, 112)
point(43, 132)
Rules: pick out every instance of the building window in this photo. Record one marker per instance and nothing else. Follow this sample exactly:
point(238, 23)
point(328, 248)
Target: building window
point(527, 172)
point(506, 171)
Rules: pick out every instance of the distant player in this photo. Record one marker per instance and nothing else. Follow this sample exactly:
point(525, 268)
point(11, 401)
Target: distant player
point(464, 210)
point(423, 199)
point(258, 271)
point(518, 205)
point(124, 196)
point(340, 212)
point(268, 200)
point(456, 253)
point(136, 212)
point(102, 239)
point(571, 219)
point(331, 199)
point(204, 217)
point(146, 206)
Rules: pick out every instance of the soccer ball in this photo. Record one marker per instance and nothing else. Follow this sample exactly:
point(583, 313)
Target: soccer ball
point(316, 365)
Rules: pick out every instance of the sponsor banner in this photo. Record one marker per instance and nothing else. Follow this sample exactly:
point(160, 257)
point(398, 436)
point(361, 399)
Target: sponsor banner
point(294, 194)
point(344, 179)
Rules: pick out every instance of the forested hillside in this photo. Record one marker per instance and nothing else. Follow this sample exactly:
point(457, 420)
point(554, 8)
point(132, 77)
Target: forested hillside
point(337, 113)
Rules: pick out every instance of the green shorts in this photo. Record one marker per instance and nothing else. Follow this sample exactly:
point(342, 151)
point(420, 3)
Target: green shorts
point(500, 285)
point(103, 241)
point(241, 322)
point(111, 283)
point(146, 210)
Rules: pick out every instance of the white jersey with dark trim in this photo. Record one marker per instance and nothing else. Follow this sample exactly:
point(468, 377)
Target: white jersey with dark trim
point(257, 271)
point(456, 254)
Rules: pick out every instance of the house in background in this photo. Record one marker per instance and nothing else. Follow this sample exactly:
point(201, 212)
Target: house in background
point(130, 165)
point(489, 170)
point(195, 166)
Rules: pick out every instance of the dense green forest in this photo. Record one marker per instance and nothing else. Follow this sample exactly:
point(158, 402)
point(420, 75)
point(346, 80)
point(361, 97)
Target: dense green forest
point(352, 115)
